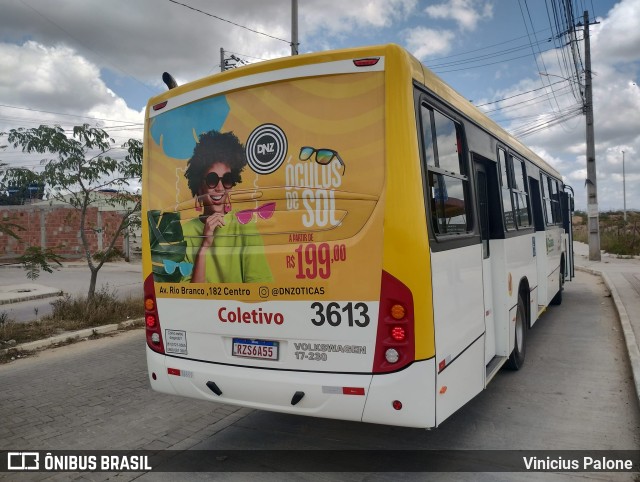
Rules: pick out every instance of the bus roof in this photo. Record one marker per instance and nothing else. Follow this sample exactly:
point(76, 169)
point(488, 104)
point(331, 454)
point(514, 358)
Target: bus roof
point(419, 72)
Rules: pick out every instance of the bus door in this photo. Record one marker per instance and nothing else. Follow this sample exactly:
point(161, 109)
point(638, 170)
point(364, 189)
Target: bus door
point(482, 193)
point(566, 205)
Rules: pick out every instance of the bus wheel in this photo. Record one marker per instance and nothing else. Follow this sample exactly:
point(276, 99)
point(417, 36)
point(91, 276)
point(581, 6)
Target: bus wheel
point(516, 359)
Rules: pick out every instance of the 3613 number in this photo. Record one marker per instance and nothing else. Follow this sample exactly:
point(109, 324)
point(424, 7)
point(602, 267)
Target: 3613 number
point(357, 314)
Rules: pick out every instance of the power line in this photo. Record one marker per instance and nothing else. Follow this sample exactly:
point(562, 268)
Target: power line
point(545, 124)
point(484, 48)
point(485, 56)
point(245, 55)
point(517, 95)
point(527, 103)
point(533, 50)
point(62, 113)
point(229, 21)
point(486, 64)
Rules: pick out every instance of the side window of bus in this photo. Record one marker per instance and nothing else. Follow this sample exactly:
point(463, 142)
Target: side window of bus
point(448, 182)
point(555, 202)
point(546, 198)
point(520, 194)
point(506, 181)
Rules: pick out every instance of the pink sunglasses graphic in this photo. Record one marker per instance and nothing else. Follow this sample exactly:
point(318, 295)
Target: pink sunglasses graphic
point(265, 212)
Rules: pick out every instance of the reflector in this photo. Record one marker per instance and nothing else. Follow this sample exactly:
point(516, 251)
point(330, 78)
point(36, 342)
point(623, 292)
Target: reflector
point(392, 355)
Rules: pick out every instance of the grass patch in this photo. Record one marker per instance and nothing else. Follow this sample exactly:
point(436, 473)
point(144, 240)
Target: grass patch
point(70, 314)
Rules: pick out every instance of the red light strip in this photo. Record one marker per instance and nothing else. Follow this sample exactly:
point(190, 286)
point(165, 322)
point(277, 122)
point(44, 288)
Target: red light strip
point(352, 390)
point(161, 105)
point(366, 62)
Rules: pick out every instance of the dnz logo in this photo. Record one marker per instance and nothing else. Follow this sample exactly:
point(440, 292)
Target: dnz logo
point(266, 148)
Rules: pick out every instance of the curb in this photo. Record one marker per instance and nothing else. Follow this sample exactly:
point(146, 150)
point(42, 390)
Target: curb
point(31, 297)
point(71, 335)
point(627, 330)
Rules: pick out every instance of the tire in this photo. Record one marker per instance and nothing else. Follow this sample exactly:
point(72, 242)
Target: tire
point(557, 299)
point(516, 359)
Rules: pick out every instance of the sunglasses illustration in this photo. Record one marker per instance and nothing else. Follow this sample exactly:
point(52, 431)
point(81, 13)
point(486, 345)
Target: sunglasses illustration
point(212, 180)
point(323, 156)
point(265, 212)
point(184, 267)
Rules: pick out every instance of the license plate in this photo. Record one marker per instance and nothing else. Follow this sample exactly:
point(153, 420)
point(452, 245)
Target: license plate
point(263, 349)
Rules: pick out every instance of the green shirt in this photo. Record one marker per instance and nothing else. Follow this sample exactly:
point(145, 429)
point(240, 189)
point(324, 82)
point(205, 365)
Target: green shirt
point(237, 254)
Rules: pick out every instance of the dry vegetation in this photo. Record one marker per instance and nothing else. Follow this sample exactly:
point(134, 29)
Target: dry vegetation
point(616, 236)
point(70, 314)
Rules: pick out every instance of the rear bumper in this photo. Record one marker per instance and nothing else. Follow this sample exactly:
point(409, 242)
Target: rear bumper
point(364, 397)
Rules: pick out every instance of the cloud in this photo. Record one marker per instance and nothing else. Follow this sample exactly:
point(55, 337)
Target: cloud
point(55, 85)
point(466, 13)
point(337, 16)
point(617, 37)
point(49, 77)
point(423, 42)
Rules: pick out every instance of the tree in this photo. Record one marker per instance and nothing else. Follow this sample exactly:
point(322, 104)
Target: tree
point(81, 168)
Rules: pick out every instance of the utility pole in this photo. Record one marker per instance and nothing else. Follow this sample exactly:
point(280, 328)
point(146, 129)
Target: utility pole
point(624, 191)
point(230, 62)
point(592, 188)
point(294, 27)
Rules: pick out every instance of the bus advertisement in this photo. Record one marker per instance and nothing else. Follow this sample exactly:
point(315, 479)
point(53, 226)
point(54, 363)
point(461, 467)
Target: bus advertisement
point(341, 235)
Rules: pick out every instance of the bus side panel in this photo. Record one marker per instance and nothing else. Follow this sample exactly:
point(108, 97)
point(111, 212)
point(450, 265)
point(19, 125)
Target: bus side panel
point(521, 267)
point(458, 300)
point(459, 327)
point(542, 264)
point(460, 382)
point(413, 387)
point(501, 299)
point(554, 249)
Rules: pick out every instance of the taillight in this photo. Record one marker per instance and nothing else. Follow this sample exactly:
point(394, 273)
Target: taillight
point(368, 62)
point(152, 322)
point(395, 340)
point(398, 333)
point(160, 106)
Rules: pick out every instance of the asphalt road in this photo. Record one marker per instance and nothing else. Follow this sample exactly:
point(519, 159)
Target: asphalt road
point(123, 279)
point(574, 393)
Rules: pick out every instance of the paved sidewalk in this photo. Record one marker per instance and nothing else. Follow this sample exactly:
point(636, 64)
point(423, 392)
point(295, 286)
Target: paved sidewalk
point(622, 278)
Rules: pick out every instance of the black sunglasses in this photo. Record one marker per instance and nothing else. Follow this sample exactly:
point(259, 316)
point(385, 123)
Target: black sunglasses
point(212, 179)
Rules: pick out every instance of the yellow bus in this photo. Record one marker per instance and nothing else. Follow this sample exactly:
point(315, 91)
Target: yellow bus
point(342, 235)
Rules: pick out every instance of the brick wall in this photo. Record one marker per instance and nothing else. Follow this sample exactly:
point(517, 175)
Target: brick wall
point(57, 227)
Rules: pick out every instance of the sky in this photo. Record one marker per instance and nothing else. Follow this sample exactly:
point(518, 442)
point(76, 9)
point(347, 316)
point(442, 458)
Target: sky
point(69, 62)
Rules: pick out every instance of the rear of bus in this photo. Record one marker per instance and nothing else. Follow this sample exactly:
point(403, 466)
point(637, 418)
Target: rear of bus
point(302, 310)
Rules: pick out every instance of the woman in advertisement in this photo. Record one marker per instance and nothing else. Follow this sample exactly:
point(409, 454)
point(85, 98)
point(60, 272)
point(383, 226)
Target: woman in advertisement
point(223, 245)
